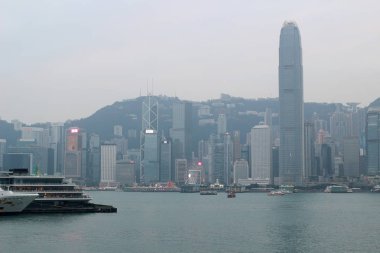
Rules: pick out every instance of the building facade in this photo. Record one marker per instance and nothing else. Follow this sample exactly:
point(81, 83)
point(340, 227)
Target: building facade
point(291, 106)
point(261, 153)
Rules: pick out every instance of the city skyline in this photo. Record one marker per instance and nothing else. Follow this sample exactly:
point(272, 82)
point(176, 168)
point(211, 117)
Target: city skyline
point(77, 58)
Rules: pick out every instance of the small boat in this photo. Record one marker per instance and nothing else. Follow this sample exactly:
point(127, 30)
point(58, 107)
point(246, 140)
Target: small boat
point(276, 193)
point(231, 194)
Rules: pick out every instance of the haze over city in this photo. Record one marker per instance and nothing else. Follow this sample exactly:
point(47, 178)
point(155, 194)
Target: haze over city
point(66, 59)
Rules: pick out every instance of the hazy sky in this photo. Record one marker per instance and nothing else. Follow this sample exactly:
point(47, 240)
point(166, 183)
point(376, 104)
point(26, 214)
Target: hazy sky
point(65, 59)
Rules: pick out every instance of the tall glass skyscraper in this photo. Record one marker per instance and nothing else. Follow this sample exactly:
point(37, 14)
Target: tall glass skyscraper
point(291, 106)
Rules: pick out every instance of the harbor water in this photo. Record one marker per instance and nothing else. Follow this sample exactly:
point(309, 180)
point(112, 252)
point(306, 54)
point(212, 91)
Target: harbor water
point(179, 222)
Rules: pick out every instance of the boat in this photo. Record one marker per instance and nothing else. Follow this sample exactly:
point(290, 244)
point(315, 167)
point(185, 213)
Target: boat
point(52, 193)
point(376, 188)
point(287, 188)
point(231, 194)
point(208, 192)
point(277, 193)
point(11, 202)
point(338, 189)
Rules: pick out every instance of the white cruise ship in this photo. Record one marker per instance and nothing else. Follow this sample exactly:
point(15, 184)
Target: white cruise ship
point(11, 202)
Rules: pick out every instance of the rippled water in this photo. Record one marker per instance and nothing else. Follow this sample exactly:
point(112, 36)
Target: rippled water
point(175, 222)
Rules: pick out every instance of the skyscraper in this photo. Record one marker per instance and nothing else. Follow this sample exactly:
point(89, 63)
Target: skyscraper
point(75, 155)
point(107, 164)
point(149, 143)
point(261, 153)
point(373, 141)
point(291, 106)
point(181, 130)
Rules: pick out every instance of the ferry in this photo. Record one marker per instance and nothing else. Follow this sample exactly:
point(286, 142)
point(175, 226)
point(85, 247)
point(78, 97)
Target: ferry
point(208, 192)
point(338, 189)
point(52, 193)
point(11, 202)
point(376, 188)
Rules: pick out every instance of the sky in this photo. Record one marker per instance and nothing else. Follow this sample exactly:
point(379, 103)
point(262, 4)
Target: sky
point(65, 59)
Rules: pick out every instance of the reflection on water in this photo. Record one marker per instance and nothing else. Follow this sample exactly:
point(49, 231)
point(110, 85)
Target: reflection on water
point(174, 222)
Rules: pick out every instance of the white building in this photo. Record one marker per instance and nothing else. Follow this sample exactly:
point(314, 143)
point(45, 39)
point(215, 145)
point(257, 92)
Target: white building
point(261, 152)
point(107, 163)
point(240, 170)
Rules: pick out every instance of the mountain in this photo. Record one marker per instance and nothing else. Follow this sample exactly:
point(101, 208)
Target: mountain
point(242, 114)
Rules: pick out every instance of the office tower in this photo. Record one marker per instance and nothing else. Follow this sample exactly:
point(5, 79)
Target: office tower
point(291, 106)
point(339, 127)
point(309, 151)
point(373, 141)
point(42, 158)
point(149, 155)
point(261, 153)
point(268, 117)
point(351, 149)
point(57, 143)
point(228, 159)
point(275, 165)
point(107, 165)
point(93, 164)
point(327, 158)
point(246, 155)
point(218, 163)
point(18, 161)
point(117, 130)
point(134, 155)
point(3, 150)
point(181, 131)
point(221, 124)
point(180, 171)
point(75, 155)
point(40, 135)
point(165, 160)
point(121, 146)
point(125, 172)
point(240, 170)
point(236, 145)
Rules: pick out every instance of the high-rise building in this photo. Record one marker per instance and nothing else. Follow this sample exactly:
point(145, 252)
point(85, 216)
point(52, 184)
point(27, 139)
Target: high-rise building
point(150, 157)
point(221, 124)
point(291, 106)
point(373, 141)
point(181, 131)
point(118, 130)
point(125, 172)
point(339, 127)
point(180, 171)
point(75, 153)
point(351, 152)
point(149, 144)
point(228, 159)
point(165, 160)
point(261, 153)
point(40, 135)
point(57, 144)
point(240, 170)
point(309, 151)
point(93, 164)
point(107, 164)
point(3, 150)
